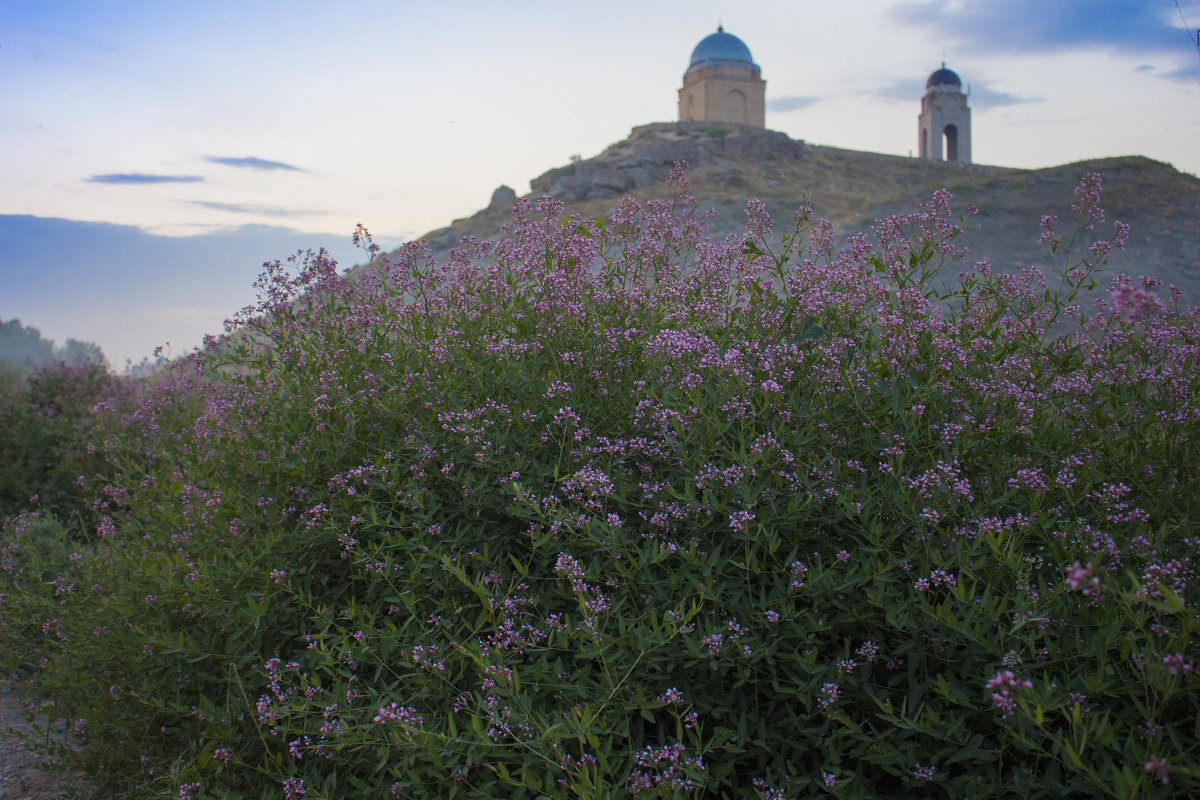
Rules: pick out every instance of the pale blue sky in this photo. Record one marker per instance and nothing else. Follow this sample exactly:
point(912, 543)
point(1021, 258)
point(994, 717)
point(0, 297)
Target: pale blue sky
point(188, 118)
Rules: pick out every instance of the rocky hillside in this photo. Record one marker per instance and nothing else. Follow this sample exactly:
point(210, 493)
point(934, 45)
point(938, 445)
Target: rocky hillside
point(731, 164)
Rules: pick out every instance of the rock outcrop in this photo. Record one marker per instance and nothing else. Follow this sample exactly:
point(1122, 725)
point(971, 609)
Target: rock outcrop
point(503, 199)
point(648, 154)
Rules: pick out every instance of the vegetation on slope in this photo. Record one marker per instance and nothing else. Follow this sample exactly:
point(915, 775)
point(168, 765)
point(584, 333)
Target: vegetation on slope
point(608, 508)
point(732, 164)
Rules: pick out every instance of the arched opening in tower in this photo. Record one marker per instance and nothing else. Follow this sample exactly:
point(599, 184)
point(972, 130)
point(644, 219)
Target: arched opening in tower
point(924, 143)
point(951, 143)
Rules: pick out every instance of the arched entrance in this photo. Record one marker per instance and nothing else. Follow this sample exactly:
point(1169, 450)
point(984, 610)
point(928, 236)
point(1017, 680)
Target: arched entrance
point(951, 143)
point(738, 106)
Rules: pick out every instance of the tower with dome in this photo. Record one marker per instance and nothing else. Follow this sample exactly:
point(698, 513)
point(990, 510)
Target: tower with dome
point(722, 83)
point(945, 119)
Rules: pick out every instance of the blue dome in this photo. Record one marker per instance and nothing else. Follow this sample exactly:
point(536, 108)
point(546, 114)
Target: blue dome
point(943, 77)
point(721, 47)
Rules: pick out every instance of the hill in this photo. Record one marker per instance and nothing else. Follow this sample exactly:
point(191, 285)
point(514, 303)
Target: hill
point(731, 164)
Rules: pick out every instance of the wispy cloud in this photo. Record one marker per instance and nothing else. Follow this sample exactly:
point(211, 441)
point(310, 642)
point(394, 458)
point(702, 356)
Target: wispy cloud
point(793, 103)
point(138, 178)
point(1189, 74)
point(239, 208)
point(250, 162)
point(982, 95)
point(985, 27)
point(907, 90)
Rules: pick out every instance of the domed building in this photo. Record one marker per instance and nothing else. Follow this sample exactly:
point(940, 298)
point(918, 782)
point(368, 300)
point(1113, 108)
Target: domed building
point(722, 83)
point(945, 119)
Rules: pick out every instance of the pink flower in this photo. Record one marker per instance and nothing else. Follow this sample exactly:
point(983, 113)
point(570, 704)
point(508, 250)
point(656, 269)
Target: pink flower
point(1005, 678)
point(1159, 767)
point(671, 696)
point(567, 565)
point(1087, 203)
point(869, 650)
point(1133, 302)
point(1175, 664)
point(1002, 700)
point(403, 715)
point(1077, 574)
point(293, 788)
point(738, 520)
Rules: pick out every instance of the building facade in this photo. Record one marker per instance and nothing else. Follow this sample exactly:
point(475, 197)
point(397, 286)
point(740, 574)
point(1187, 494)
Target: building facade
point(945, 120)
point(723, 84)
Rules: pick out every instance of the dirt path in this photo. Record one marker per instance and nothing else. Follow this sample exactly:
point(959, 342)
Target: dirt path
point(19, 777)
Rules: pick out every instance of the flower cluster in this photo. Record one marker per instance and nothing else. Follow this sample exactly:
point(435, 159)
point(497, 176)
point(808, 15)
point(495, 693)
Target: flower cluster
point(1002, 699)
point(665, 766)
point(402, 715)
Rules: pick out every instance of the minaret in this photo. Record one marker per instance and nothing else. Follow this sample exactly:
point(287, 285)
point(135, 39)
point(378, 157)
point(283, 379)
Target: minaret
point(946, 118)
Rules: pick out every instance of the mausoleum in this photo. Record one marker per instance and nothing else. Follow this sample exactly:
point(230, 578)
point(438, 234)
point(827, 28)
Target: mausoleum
point(722, 83)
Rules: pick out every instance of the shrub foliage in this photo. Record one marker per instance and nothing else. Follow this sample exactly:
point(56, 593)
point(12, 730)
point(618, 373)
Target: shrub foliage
point(608, 509)
point(50, 418)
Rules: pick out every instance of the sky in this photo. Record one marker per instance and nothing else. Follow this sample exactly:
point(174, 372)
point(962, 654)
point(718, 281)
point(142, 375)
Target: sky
point(156, 152)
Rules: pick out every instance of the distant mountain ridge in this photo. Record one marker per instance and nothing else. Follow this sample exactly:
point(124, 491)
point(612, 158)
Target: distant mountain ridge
point(731, 164)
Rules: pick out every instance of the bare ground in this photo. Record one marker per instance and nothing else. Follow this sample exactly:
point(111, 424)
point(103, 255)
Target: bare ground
point(20, 776)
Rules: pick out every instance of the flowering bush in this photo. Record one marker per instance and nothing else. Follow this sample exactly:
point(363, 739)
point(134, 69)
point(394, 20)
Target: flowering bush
point(48, 416)
point(608, 509)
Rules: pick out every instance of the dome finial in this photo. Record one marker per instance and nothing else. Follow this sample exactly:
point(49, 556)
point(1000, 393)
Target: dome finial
point(720, 27)
point(944, 77)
